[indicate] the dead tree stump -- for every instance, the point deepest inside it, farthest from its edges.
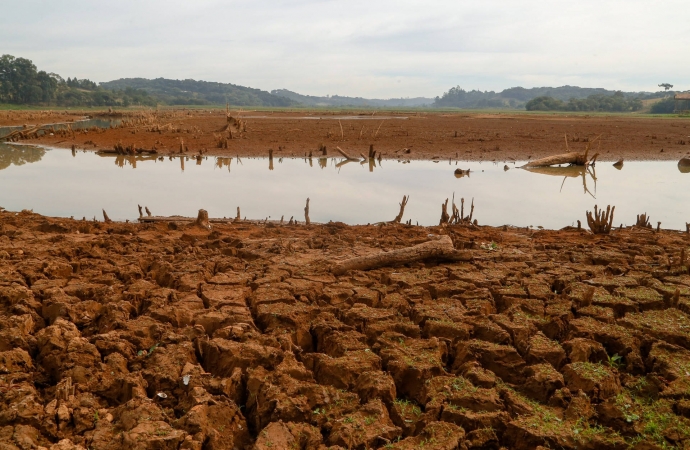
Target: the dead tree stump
(106, 219)
(600, 222)
(202, 219)
(643, 221)
(306, 213)
(402, 204)
(445, 218)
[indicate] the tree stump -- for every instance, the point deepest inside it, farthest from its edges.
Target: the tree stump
(202, 219)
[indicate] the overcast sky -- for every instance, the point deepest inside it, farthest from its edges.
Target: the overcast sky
(374, 48)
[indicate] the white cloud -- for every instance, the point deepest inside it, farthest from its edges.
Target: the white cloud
(372, 49)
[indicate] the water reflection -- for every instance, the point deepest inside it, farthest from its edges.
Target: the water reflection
(19, 155)
(569, 172)
(356, 191)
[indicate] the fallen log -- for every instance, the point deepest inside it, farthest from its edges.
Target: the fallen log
(440, 248)
(574, 158)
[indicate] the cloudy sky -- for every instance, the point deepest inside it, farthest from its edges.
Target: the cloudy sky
(374, 48)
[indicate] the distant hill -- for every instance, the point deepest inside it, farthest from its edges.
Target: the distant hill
(192, 92)
(337, 100)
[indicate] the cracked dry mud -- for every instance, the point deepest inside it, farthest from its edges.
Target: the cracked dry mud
(121, 336)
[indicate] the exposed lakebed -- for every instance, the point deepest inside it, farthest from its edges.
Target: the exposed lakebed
(56, 182)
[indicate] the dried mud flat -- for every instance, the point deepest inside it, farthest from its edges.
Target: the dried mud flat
(167, 336)
(403, 135)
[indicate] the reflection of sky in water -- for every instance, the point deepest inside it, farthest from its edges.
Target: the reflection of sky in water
(61, 184)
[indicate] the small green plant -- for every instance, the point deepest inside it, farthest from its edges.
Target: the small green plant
(615, 361)
(154, 347)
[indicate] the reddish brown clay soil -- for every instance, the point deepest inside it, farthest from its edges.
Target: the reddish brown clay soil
(167, 336)
(32, 118)
(463, 136)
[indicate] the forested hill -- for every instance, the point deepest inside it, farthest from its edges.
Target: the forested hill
(190, 92)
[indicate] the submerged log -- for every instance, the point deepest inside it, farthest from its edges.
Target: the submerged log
(440, 248)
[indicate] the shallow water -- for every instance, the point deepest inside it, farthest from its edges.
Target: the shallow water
(57, 182)
(77, 125)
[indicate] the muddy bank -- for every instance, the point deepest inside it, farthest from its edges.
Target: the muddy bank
(414, 135)
(118, 335)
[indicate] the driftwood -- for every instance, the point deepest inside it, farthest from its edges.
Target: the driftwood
(106, 219)
(148, 213)
(398, 218)
(141, 213)
(440, 248)
(348, 157)
(22, 134)
(600, 222)
(574, 158)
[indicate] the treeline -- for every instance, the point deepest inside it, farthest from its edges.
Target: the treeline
(617, 102)
(193, 92)
(563, 98)
(21, 83)
(459, 98)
